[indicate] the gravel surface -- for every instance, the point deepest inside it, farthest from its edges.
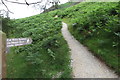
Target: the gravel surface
(84, 64)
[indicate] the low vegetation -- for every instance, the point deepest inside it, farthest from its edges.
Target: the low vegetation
(5, 25)
(62, 6)
(97, 26)
(46, 57)
(94, 24)
(67, 5)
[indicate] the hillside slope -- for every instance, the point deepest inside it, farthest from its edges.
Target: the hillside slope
(62, 6)
(82, 58)
(96, 25)
(46, 57)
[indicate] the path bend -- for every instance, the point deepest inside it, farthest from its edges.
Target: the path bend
(84, 64)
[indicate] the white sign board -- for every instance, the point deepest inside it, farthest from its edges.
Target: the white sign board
(18, 42)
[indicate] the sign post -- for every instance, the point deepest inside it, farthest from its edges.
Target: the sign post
(2, 55)
(6, 44)
(18, 42)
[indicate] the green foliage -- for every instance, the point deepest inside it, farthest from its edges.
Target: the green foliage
(46, 56)
(96, 25)
(6, 25)
(62, 6)
(67, 5)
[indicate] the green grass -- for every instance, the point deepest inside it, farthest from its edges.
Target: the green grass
(47, 56)
(96, 25)
(101, 40)
(18, 67)
(67, 5)
(61, 7)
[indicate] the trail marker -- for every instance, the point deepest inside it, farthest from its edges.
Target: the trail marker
(2, 55)
(18, 42)
(5, 44)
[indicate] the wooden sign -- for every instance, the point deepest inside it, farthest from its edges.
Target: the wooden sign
(6, 44)
(18, 42)
(2, 55)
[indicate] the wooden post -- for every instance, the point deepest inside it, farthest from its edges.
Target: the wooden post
(2, 55)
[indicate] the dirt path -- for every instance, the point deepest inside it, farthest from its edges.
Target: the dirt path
(84, 64)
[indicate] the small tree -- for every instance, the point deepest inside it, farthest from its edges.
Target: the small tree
(39, 3)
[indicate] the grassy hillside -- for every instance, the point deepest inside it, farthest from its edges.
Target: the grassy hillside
(46, 57)
(67, 5)
(62, 6)
(6, 28)
(97, 26)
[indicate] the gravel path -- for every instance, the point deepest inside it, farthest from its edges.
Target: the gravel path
(84, 64)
